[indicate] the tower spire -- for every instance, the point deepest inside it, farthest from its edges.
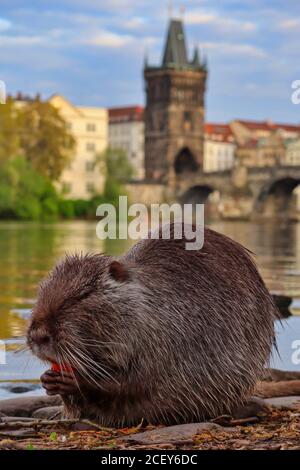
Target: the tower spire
(145, 59)
(196, 58)
(170, 8)
(175, 52)
(182, 12)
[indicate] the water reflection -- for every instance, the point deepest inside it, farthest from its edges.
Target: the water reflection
(29, 250)
(277, 250)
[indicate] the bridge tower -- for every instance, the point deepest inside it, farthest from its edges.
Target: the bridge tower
(174, 114)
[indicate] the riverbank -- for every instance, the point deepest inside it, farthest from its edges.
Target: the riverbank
(35, 424)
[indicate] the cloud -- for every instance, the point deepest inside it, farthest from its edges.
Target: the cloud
(134, 23)
(4, 24)
(6, 41)
(108, 39)
(111, 40)
(200, 17)
(235, 49)
(290, 24)
(69, 42)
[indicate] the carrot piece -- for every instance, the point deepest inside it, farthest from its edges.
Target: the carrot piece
(63, 368)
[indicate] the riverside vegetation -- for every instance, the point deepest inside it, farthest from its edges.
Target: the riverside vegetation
(35, 148)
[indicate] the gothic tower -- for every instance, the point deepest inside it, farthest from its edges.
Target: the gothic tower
(174, 114)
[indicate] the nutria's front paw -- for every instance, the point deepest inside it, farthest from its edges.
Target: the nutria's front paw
(56, 383)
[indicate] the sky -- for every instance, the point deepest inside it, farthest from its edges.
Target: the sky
(92, 51)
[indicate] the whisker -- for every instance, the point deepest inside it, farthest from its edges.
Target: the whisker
(82, 368)
(79, 356)
(94, 364)
(72, 373)
(22, 348)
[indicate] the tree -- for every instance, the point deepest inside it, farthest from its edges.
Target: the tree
(44, 138)
(24, 193)
(118, 168)
(115, 164)
(9, 131)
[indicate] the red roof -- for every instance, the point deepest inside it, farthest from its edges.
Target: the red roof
(288, 127)
(257, 125)
(219, 132)
(126, 114)
(269, 126)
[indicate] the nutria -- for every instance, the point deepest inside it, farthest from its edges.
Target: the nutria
(161, 333)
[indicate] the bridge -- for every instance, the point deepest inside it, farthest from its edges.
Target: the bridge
(243, 192)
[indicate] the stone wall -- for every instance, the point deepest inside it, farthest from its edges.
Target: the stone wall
(146, 193)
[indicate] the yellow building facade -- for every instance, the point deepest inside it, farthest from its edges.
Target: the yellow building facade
(89, 126)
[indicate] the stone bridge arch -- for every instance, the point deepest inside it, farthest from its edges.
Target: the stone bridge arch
(202, 194)
(185, 162)
(198, 194)
(277, 198)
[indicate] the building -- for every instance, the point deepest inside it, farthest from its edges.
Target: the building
(89, 126)
(292, 152)
(263, 152)
(263, 143)
(174, 113)
(270, 150)
(219, 148)
(247, 130)
(126, 132)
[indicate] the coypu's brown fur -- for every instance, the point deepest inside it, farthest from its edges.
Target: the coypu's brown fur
(162, 333)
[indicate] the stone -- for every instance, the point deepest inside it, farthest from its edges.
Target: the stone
(9, 444)
(177, 433)
(25, 406)
(23, 388)
(84, 427)
(253, 407)
(20, 387)
(284, 403)
(13, 419)
(49, 412)
(19, 433)
(276, 375)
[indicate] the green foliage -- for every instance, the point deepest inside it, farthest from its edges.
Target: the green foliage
(35, 147)
(81, 207)
(44, 138)
(24, 193)
(118, 168)
(53, 436)
(9, 131)
(30, 447)
(118, 171)
(112, 191)
(66, 208)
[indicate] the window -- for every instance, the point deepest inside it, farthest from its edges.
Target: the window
(187, 121)
(89, 166)
(90, 147)
(90, 187)
(66, 188)
(90, 127)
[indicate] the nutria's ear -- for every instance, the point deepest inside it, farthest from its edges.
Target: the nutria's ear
(118, 271)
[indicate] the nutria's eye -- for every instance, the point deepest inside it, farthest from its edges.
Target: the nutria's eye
(118, 271)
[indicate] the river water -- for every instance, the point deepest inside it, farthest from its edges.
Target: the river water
(28, 250)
